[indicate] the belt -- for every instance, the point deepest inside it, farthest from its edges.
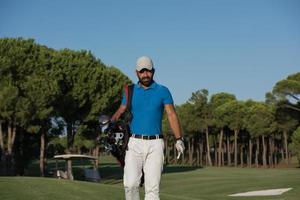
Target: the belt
(147, 137)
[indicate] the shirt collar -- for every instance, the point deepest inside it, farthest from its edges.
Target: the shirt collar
(152, 86)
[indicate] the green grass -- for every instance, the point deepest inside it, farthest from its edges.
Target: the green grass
(178, 183)
(218, 183)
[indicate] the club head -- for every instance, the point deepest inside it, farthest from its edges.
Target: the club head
(104, 119)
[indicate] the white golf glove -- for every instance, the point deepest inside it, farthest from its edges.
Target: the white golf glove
(180, 147)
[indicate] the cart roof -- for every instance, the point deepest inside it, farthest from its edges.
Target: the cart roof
(74, 156)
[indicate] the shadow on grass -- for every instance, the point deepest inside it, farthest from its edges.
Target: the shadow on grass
(113, 174)
(110, 171)
(179, 169)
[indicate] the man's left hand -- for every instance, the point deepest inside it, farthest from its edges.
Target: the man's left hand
(179, 146)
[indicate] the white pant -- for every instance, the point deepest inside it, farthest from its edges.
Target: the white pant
(149, 156)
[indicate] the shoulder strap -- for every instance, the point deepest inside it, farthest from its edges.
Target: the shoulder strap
(128, 115)
(126, 94)
(129, 96)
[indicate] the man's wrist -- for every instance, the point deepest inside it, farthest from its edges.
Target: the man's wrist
(180, 138)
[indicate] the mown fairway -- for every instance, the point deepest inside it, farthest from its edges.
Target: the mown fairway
(218, 183)
(184, 183)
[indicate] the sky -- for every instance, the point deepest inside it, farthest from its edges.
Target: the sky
(242, 47)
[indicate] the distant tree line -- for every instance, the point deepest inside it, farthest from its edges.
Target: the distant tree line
(223, 131)
(50, 101)
(45, 93)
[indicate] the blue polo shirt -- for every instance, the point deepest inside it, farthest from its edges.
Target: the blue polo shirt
(147, 108)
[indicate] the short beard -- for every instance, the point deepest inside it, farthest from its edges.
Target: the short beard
(147, 81)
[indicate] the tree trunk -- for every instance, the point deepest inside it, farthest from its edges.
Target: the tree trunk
(271, 152)
(236, 132)
(207, 147)
(42, 153)
(242, 155)
(228, 151)
(286, 147)
(197, 157)
(282, 153)
(264, 152)
(1, 140)
(70, 141)
(96, 154)
(11, 135)
(220, 147)
(70, 137)
(223, 153)
(250, 152)
(215, 151)
(276, 152)
(201, 152)
(257, 151)
(2, 152)
(197, 146)
(190, 151)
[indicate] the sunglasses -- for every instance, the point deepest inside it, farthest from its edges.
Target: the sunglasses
(145, 70)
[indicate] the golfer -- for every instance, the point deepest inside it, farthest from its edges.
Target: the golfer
(146, 145)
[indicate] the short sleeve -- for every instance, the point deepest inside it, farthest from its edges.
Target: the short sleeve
(167, 97)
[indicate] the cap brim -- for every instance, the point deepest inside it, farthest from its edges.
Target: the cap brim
(141, 68)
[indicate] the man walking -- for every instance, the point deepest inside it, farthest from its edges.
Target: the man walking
(146, 145)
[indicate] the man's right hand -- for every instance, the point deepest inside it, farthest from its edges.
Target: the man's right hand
(118, 113)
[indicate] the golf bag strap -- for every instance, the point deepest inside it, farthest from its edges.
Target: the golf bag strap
(129, 93)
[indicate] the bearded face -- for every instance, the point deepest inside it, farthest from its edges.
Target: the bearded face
(145, 77)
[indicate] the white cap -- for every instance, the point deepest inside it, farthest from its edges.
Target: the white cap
(144, 62)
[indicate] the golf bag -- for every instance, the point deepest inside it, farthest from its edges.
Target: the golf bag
(117, 133)
(115, 137)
